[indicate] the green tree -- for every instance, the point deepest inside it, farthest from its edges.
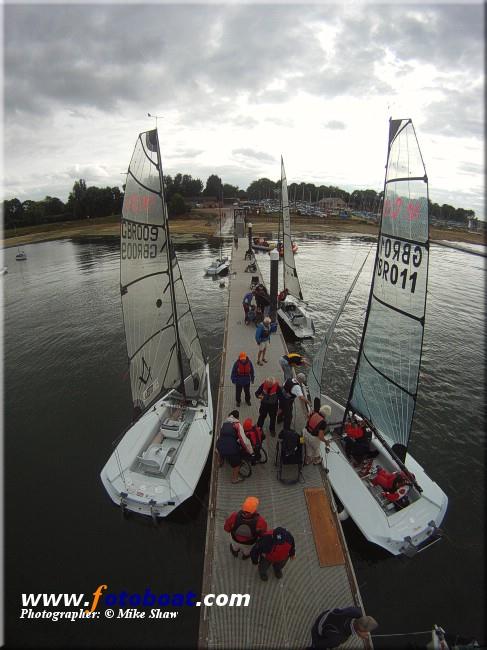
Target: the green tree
(213, 186)
(229, 191)
(77, 199)
(12, 213)
(176, 205)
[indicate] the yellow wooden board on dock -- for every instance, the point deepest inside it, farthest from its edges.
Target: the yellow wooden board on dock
(325, 533)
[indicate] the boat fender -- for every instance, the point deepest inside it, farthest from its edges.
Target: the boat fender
(343, 514)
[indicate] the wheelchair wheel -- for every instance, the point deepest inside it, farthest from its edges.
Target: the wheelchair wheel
(245, 469)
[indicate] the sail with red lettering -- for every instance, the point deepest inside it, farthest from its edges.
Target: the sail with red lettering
(163, 348)
(385, 382)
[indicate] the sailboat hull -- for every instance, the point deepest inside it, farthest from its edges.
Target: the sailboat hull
(218, 267)
(293, 315)
(158, 463)
(401, 532)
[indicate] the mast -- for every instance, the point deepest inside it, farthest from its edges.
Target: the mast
(170, 253)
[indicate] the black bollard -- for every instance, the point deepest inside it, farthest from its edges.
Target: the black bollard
(249, 253)
(274, 255)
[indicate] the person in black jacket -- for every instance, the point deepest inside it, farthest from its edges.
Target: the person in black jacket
(268, 393)
(334, 626)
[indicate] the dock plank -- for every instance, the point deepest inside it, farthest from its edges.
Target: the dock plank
(327, 541)
(280, 612)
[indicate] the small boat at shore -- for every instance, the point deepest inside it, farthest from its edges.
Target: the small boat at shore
(221, 264)
(387, 493)
(21, 255)
(157, 463)
(260, 244)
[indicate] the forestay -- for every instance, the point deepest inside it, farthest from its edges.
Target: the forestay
(291, 280)
(162, 343)
(386, 377)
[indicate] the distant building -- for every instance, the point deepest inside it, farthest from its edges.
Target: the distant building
(332, 203)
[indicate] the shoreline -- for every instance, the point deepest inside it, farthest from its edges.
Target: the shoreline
(205, 226)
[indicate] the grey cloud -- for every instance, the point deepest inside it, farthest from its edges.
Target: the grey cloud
(334, 124)
(458, 114)
(250, 153)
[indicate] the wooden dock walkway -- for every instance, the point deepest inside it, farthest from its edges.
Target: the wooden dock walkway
(281, 612)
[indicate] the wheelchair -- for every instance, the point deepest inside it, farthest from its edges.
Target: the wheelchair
(289, 458)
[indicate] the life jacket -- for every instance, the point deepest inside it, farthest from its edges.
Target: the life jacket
(395, 484)
(243, 368)
(270, 393)
(287, 387)
(244, 529)
(294, 359)
(354, 431)
(313, 423)
(280, 550)
(227, 443)
(255, 436)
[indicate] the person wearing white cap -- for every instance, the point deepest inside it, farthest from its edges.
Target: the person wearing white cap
(314, 434)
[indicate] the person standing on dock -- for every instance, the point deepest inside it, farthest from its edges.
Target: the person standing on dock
(245, 527)
(290, 390)
(290, 361)
(334, 626)
(246, 302)
(314, 434)
(268, 393)
(262, 338)
(232, 444)
(275, 548)
(242, 376)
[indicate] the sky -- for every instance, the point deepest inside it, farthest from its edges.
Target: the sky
(236, 86)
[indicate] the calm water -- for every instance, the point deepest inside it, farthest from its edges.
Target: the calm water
(67, 398)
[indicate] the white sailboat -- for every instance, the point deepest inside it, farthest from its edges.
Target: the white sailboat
(221, 264)
(291, 310)
(405, 519)
(157, 463)
(21, 255)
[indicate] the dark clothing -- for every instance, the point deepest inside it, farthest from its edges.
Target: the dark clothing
(286, 406)
(238, 393)
(264, 565)
(268, 404)
(275, 546)
(227, 443)
(243, 373)
(245, 530)
(265, 410)
(333, 627)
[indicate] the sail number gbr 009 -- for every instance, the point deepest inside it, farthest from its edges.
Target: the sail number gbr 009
(139, 240)
(398, 263)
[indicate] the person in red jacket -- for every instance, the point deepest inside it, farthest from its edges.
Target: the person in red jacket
(396, 485)
(275, 548)
(245, 527)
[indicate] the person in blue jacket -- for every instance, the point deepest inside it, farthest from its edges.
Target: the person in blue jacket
(262, 338)
(242, 376)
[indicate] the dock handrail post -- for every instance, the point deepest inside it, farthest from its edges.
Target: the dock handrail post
(274, 255)
(249, 226)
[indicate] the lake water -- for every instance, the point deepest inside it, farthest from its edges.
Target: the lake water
(67, 397)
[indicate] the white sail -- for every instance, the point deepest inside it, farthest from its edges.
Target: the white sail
(152, 290)
(386, 377)
(291, 280)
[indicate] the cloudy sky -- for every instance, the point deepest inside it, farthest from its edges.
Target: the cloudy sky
(239, 84)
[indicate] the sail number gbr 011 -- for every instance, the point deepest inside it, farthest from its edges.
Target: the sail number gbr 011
(138, 241)
(398, 263)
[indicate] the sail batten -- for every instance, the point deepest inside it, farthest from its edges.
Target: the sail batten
(162, 344)
(385, 382)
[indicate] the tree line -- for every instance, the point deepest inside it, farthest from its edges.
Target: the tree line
(92, 202)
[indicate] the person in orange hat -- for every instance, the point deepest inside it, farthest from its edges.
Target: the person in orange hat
(245, 526)
(242, 376)
(255, 434)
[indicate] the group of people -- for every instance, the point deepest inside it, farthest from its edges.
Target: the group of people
(276, 402)
(267, 547)
(258, 311)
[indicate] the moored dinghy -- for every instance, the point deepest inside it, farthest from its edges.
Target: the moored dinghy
(159, 460)
(389, 495)
(291, 311)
